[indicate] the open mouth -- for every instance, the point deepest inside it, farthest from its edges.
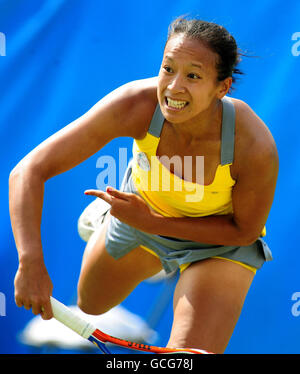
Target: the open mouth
(175, 104)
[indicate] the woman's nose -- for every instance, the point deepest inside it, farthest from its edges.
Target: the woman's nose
(176, 84)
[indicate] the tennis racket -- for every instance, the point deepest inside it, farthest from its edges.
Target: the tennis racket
(85, 329)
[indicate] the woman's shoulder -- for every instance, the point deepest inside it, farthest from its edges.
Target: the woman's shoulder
(141, 98)
(142, 88)
(251, 131)
(254, 142)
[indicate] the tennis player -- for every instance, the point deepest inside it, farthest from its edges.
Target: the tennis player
(212, 231)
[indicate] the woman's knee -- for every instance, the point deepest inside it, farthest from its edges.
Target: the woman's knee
(91, 288)
(90, 297)
(105, 282)
(95, 295)
(91, 306)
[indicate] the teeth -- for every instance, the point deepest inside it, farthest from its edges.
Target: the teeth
(178, 104)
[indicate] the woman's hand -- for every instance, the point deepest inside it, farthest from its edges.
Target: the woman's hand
(128, 208)
(33, 288)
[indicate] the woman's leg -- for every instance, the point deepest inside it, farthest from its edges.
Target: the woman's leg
(208, 300)
(105, 282)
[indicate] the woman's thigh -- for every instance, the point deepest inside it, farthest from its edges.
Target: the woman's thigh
(208, 300)
(105, 282)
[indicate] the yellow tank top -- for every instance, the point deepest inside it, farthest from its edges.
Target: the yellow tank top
(169, 194)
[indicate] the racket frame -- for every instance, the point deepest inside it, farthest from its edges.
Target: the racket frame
(85, 329)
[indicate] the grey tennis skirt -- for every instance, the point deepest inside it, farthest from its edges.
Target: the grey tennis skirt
(121, 239)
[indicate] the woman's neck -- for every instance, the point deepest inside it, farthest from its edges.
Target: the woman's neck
(206, 125)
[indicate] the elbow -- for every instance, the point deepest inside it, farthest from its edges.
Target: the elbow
(243, 235)
(14, 182)
(248, 241)
(24, 171)
(248, 238)
(21, 167)
(14, 174)
(17, 172)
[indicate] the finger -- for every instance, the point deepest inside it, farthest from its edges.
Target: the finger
(115, 193)
(18, 301)
(36, 309)
(46, 310)
(102, 195)
(27, 306)
(37, 305)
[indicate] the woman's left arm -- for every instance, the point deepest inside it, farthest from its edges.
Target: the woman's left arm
(252, 198)
(252, 194)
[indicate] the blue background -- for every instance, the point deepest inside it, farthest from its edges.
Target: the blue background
(63, 56)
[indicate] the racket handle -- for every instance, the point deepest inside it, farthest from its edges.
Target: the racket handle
(70, 319)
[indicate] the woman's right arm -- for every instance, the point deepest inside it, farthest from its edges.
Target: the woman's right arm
(116, 115)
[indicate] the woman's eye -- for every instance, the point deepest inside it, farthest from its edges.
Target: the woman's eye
(168, 69)
(194, 76)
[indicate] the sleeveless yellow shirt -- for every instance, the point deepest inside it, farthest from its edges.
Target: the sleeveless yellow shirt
(170, 195)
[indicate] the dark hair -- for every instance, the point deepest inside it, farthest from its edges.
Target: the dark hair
(215, 37)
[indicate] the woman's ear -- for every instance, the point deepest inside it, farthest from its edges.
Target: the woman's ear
(224, 87)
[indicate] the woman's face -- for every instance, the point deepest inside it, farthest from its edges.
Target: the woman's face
(187, 82)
